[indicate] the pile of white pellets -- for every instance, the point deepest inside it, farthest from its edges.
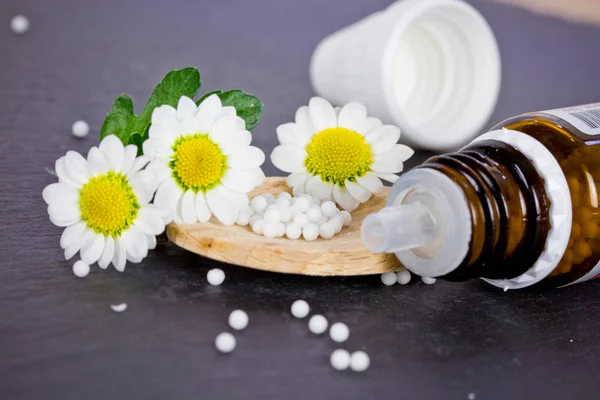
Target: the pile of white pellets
(293, 217)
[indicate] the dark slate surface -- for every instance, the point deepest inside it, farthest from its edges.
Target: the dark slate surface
(58, 336)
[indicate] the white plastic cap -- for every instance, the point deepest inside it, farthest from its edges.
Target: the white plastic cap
(431, 67)
(426, 223)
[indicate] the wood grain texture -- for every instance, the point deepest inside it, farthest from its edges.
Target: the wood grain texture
(344, 254)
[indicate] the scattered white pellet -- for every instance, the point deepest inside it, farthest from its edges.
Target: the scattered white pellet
(259, 227)
(238, 320)
(225, 342)
(359, 361)
(259, 204)
(327, 230)
(314, 213)
(272, 215)
(300, 309)
(339, 332)
(427, 280)
(340, 359)
(310, 232)
(242, 219)
(337, 222)
(119, 307)
(283, 202)
(317, 324)
(293, 231)
(346, 216)
(322, 221)
(81, 269)
(80, 129)
(285, 214)
(471, 396)
(403, 277)
(301, 204)
(301, 220)
(389, 278)
(329, 209)
(280, 232)
(270, 230)
(215, 276)
(19, 24)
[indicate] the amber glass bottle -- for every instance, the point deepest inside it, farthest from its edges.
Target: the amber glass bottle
(517, 207)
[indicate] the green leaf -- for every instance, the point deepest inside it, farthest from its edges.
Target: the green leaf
(247, 107)
(133, 129)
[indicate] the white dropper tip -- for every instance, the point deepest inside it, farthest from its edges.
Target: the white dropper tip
(398, 228)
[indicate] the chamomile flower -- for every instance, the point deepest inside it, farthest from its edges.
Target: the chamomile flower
(103, 203)
(338, 154)
(203, 160)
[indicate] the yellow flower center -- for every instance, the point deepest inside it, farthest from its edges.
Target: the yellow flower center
(108, 205)
(198, 163)
(337, 155)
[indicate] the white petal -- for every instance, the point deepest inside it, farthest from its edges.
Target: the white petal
(119, 256)
(139, 163)
(168, 195)
(71, 234)
(161, 170)
(291, 134)
(163, 115)
(164, 133)
(144, 185)
(289, 159)
(225, 204)
(304, 121)
(189, 126)
(60, 192)
(297, 178)
(247, 158)
(372, 123)
(392, 178)
(188, 208)
(391, 167)
(402, 152)
(59, 167)
(151, 239)
(136, 242)
(166, 215)
(370, 182)
(358, 192)
(133, 259)
(202, 211)
(241, 181)
(76, 167)
(128, 160)
(392, 160)
(64, 211)
(322, 114)
(107, 253)
(344, 199)
(208, 112)
(96, 162)
(225, 128)
(158, 149)
(87, 237)
(353, 116)
(150, 221)
(186, 108)
(228, 111)
(90, 253)
(383, 138)
(317, 188)
(113, 151)
(239, 141)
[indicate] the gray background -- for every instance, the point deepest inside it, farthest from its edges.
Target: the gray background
(58, 336)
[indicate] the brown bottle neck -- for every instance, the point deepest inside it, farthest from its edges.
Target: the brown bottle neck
(509, 209)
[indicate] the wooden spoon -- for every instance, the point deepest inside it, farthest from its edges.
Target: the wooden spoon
(344, 254)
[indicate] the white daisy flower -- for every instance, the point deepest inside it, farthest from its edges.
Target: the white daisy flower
(203, 160)
(103, 204)
(338, 154)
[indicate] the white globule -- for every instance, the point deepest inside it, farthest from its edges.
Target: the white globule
(301, 204)
(238, 320)
(427, 280)
(272, 215)
(270, 229)
(339, 332)
(301, 220)
(81, 269)
(80, 129)
(225, 342)
(337, 222)
(283, 202)
(310, 232)
(317, 324)
(327, 230)
(389, 278)
(346, 217)
(215, 276)
(403, 277)
(242, 219)
(293, 231)
(284, 195)
(329, 209)
(259, 227)
(314, 213)
(300, 309)
(259, 204)
(19, 24)
(269, 197)
(340, 359)
(280, 229)
(359, 361)
(285, 214)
